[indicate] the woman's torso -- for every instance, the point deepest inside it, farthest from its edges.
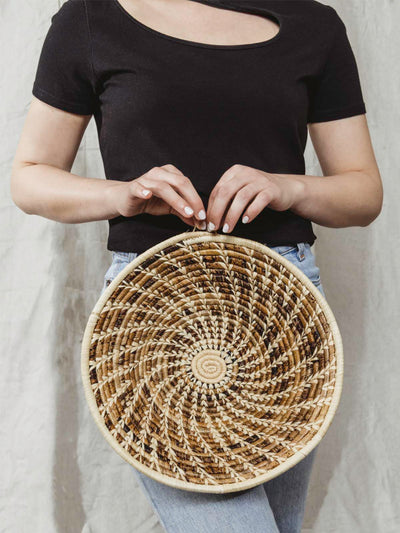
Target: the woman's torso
(205, 107)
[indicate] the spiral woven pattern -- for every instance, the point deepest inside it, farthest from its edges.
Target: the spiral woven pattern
(211, 363)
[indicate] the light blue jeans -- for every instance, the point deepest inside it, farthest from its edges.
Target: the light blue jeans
(276, 506)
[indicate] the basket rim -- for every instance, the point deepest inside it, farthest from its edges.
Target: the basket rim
(205, 236)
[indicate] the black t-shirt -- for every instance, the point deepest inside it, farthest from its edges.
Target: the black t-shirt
(159, 99)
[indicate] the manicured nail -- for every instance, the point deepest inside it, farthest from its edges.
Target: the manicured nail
(202, 214)
(203, 225)
(245, 219)
(225, 228)
(210, 226)
(188, 210)
(145, 192)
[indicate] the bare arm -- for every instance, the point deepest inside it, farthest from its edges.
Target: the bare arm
(349, 194)
(41, 181)
(42, 184)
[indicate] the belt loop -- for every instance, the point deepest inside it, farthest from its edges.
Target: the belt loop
(301, 251)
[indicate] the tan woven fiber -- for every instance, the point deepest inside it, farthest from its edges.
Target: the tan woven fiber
(211, 363)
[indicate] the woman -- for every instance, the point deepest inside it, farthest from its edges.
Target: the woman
(202, 110)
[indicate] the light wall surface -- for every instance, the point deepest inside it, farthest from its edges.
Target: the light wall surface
(57, 472)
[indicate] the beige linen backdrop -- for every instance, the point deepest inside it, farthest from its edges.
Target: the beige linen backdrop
(57, 472)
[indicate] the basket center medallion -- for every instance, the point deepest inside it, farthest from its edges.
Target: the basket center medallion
(208, 366)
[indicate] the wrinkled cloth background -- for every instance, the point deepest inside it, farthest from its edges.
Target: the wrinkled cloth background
(58, 474)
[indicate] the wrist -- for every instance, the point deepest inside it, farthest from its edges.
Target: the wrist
(111, 194)
(300, 194)
(295, 190)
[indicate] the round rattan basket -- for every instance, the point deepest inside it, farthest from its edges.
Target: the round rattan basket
(211, 363)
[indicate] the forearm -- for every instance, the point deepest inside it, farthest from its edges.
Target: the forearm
(350, 199)
(59, 195)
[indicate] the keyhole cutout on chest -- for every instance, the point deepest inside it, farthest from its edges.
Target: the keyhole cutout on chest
(203, 22)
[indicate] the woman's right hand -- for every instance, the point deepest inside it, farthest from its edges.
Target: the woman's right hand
(162, 190)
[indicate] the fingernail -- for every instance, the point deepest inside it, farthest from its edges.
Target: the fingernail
(245, 219)
(188, 210)
(202, 225)
(145, 192)
(210, 226)
(225, 228)
(202, 214)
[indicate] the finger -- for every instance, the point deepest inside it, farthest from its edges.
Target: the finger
(192, 221)
(260, 202)
(162, 189)
(228, 174)
(138, 189)
(233, 171)
(223, 195)
(239, 203)
(172, 168)
(186, 220)
(185, 188)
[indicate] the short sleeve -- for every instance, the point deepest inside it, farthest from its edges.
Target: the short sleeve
(336, 91)
(64, 76)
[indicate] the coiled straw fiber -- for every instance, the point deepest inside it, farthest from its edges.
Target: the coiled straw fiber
(211, 363)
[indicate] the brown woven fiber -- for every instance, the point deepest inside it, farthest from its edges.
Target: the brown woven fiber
(211, 363)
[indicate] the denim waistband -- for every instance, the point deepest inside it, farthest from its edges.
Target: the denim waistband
(302, 248)
(124, 256)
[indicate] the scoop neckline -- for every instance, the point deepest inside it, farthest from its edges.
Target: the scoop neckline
(271, 14)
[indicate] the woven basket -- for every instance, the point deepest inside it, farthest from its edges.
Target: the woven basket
(211, 363)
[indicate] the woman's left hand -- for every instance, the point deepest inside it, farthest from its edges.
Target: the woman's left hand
(245, 191)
